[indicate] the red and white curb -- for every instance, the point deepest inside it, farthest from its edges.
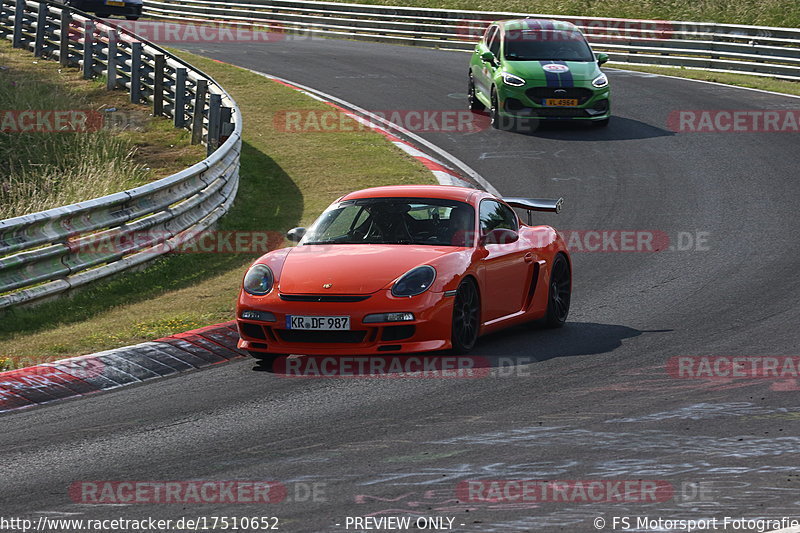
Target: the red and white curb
(111, 369)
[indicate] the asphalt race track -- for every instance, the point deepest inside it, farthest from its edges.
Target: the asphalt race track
(591, 401)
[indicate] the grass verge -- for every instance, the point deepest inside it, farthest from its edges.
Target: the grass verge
(756, 12)
(286, 179)
(738, 80)
(41, 170)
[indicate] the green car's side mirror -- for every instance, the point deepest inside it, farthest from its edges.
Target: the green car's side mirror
(487, 57)
(602, 58)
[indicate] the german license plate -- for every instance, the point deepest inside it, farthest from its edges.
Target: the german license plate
(318, 322)
(115, 3)
(559, 102)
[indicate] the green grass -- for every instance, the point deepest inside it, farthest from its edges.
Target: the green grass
(739, 80)
(757, 12)
(286, 180)
(41, 170)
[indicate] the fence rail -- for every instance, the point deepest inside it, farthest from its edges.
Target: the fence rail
(755, 50)
(46, 253)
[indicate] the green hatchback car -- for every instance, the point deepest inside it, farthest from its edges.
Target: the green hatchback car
(537, 69)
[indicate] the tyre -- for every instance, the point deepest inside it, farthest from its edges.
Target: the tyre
(103, 15)
(132, 17)
(472, 100)
(466, 317)
(601, 123)
(560, 291)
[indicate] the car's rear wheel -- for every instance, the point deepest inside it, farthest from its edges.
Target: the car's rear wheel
(466, 317)
(560, 291)
(472, 99)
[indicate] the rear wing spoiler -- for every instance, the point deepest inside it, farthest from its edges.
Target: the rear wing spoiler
(536, 204)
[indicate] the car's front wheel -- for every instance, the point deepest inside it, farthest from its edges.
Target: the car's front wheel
(601, 123)
(466, 317)
(472, 99)
(560, 291)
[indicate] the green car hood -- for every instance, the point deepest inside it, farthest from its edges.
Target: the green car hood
(583, 71)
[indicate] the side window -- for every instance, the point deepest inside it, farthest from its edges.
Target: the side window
(496, 215)
(494, 44)
(490, 32)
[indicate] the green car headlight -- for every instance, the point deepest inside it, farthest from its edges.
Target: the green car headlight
(511, 79)
(258, 280)
(600, 81)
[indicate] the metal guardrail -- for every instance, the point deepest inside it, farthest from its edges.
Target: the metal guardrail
(756, 50)
(49, 252)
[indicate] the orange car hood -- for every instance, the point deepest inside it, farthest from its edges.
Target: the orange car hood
(351, 268)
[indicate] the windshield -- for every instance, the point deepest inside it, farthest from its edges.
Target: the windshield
(546, 45)
(395, 221)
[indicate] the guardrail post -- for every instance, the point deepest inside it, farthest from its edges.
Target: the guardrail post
(158, 85)
(226, 126)
(214, 115)
(19, 12)
(136, 72)
(63, 41)
(41, 24)
(88, 49)
(179, 109)
(200, 89)
(111, 71)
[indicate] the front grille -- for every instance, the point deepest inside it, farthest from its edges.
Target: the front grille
(538, 94)
(299, 335)
(323, 298)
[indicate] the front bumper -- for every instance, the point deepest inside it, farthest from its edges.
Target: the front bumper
(527, 102)
(430, 329)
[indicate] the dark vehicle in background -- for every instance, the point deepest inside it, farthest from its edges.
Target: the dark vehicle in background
(130, 9)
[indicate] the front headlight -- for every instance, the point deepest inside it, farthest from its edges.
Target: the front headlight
(415, 281)
(600, 81)
(514, 81)
(258, 280)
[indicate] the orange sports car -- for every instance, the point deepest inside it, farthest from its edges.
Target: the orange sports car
(405, 269)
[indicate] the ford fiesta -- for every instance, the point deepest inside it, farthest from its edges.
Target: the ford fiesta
(537, 69)
(405, 269)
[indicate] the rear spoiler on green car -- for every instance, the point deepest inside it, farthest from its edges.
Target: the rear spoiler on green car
(536, 204)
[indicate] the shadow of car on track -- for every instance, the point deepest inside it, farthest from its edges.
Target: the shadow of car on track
(516, 346)
(532, 343)
(619, 129)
